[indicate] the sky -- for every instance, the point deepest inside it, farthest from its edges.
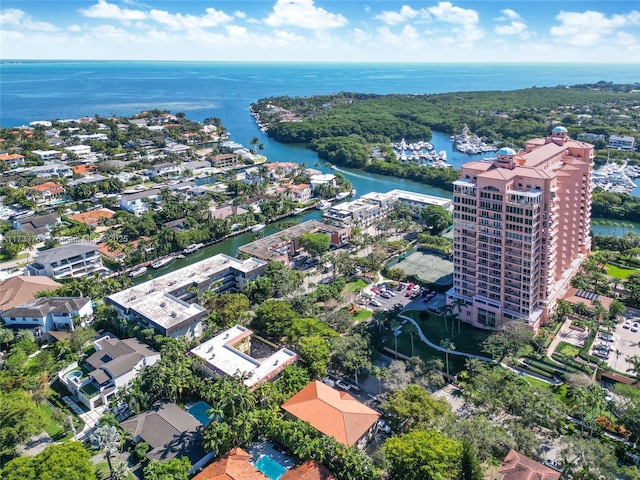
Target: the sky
(323, 31)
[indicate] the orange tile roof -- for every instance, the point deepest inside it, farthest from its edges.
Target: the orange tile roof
(10, 156)
(520, 467)
(334, 413)
(51, 187)
(83, 169)
(233, 465)
(94, 216)
(309, 470)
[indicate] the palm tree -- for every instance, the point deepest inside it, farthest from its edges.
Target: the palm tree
(473, 365)
(254, 141)
(106, 438)
(120, 471)
(410, 328)
(379, 373)
(6, 336)
(448, 345)
(635, 367)
(617, 353)
(25, 334)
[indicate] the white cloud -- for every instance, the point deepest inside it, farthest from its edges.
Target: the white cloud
(13, 17)
(405, 14)
(447, 12)
(514, 28)
(178, 21)
(74, 28)
(102, 9)
(239, 14)
(508, 14)
(588, 28)
(303, 14)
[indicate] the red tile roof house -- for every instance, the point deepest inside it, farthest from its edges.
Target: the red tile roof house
(46, 192)
(517, 466)
(12, 160)
(334, 413)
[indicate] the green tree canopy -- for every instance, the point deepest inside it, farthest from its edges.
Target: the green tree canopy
(436, 217)
(274, 318)
(174, 469)
(68, 461)
(20, 418)
(315, 244)
(414, 408)
(423, 455)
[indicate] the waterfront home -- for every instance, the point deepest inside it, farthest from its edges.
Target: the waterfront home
(226, 211)
(322, 179)
(299, 193)
(233, 465)
(49, 156)
(12, 160)
(170, 433)
(113, 365)
(49, 314)
(138, 203)
(165, 303)
(176, 149)
(46, 193)
(334, 413)
(225, 160)
(622, 142)
(41, 226)
(51, 170)
(79, 150)
(237, 351)
(166, 168)
(87, 178)
(17, 290)
(72, 260)
(197, 167)
(279, 170)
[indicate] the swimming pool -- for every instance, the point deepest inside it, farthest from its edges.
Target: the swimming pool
(270, 467)
(199, 411)
(74, 374)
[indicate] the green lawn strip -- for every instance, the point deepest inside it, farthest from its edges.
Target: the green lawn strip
(536, 383)
(618, 272)
(468, 340)
(362, 315)
(53, 428)
(354, 286)
(567, 349)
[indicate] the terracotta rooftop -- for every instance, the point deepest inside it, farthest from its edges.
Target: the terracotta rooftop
(18, 290)
(233, 465)
(309, 470)
(334, 413)
(517, 466)
(52, 187)
(93, 216)
(10, 156)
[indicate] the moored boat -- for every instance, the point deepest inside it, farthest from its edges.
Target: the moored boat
(342, 195)
(137, 272)
(258, 227)
(323, 205)
(163, 262)
(194, 247)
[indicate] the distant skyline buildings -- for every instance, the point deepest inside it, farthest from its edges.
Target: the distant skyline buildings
(323, 31)
(521, 230)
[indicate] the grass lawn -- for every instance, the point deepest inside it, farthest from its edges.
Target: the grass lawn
(619, 272)
(354, 286)
(53, 428)
(568, 349)
(468, 340)
(102, 471)
(422, 350)
(362, 315)
(536, 383)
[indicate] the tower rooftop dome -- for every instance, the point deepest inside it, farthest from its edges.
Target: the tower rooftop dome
(559, 129)
(506, 151)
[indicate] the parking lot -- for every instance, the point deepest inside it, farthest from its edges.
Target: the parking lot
(399, 297)
(625, 341)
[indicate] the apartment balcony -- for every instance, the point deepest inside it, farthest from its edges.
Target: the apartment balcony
(512, 269)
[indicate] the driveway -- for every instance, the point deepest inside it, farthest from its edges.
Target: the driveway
(626, 342)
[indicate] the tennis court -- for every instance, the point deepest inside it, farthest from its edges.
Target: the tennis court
(428, 267)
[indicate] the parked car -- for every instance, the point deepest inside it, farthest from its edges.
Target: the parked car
(626, 324)
(607, 337)
(375, 303)
(375, 290)
(400, 287)
(382, 426)
(635, 327)
(343, 385)
(385, 294)
(328, 381)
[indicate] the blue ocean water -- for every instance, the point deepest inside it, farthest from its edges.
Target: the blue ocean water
(46, 90)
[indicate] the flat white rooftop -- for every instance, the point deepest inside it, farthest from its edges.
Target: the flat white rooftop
(156, 300)
(220, 355)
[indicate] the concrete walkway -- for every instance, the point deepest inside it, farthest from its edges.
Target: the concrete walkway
(517, 370)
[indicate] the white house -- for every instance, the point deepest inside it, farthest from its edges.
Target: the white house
(72, 260)
(622, 142)
(49, 314)
(49, 156)
(52, 170)
(322, 179)
(166, 168)
(114, 365)
(79, 150)
(138, 203)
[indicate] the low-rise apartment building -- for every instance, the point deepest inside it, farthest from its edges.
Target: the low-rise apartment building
(167, 303)
(138, 203)
(72, 260)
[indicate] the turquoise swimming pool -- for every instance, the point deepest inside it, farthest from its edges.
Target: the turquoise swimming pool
(270, 467)
(199, 411)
